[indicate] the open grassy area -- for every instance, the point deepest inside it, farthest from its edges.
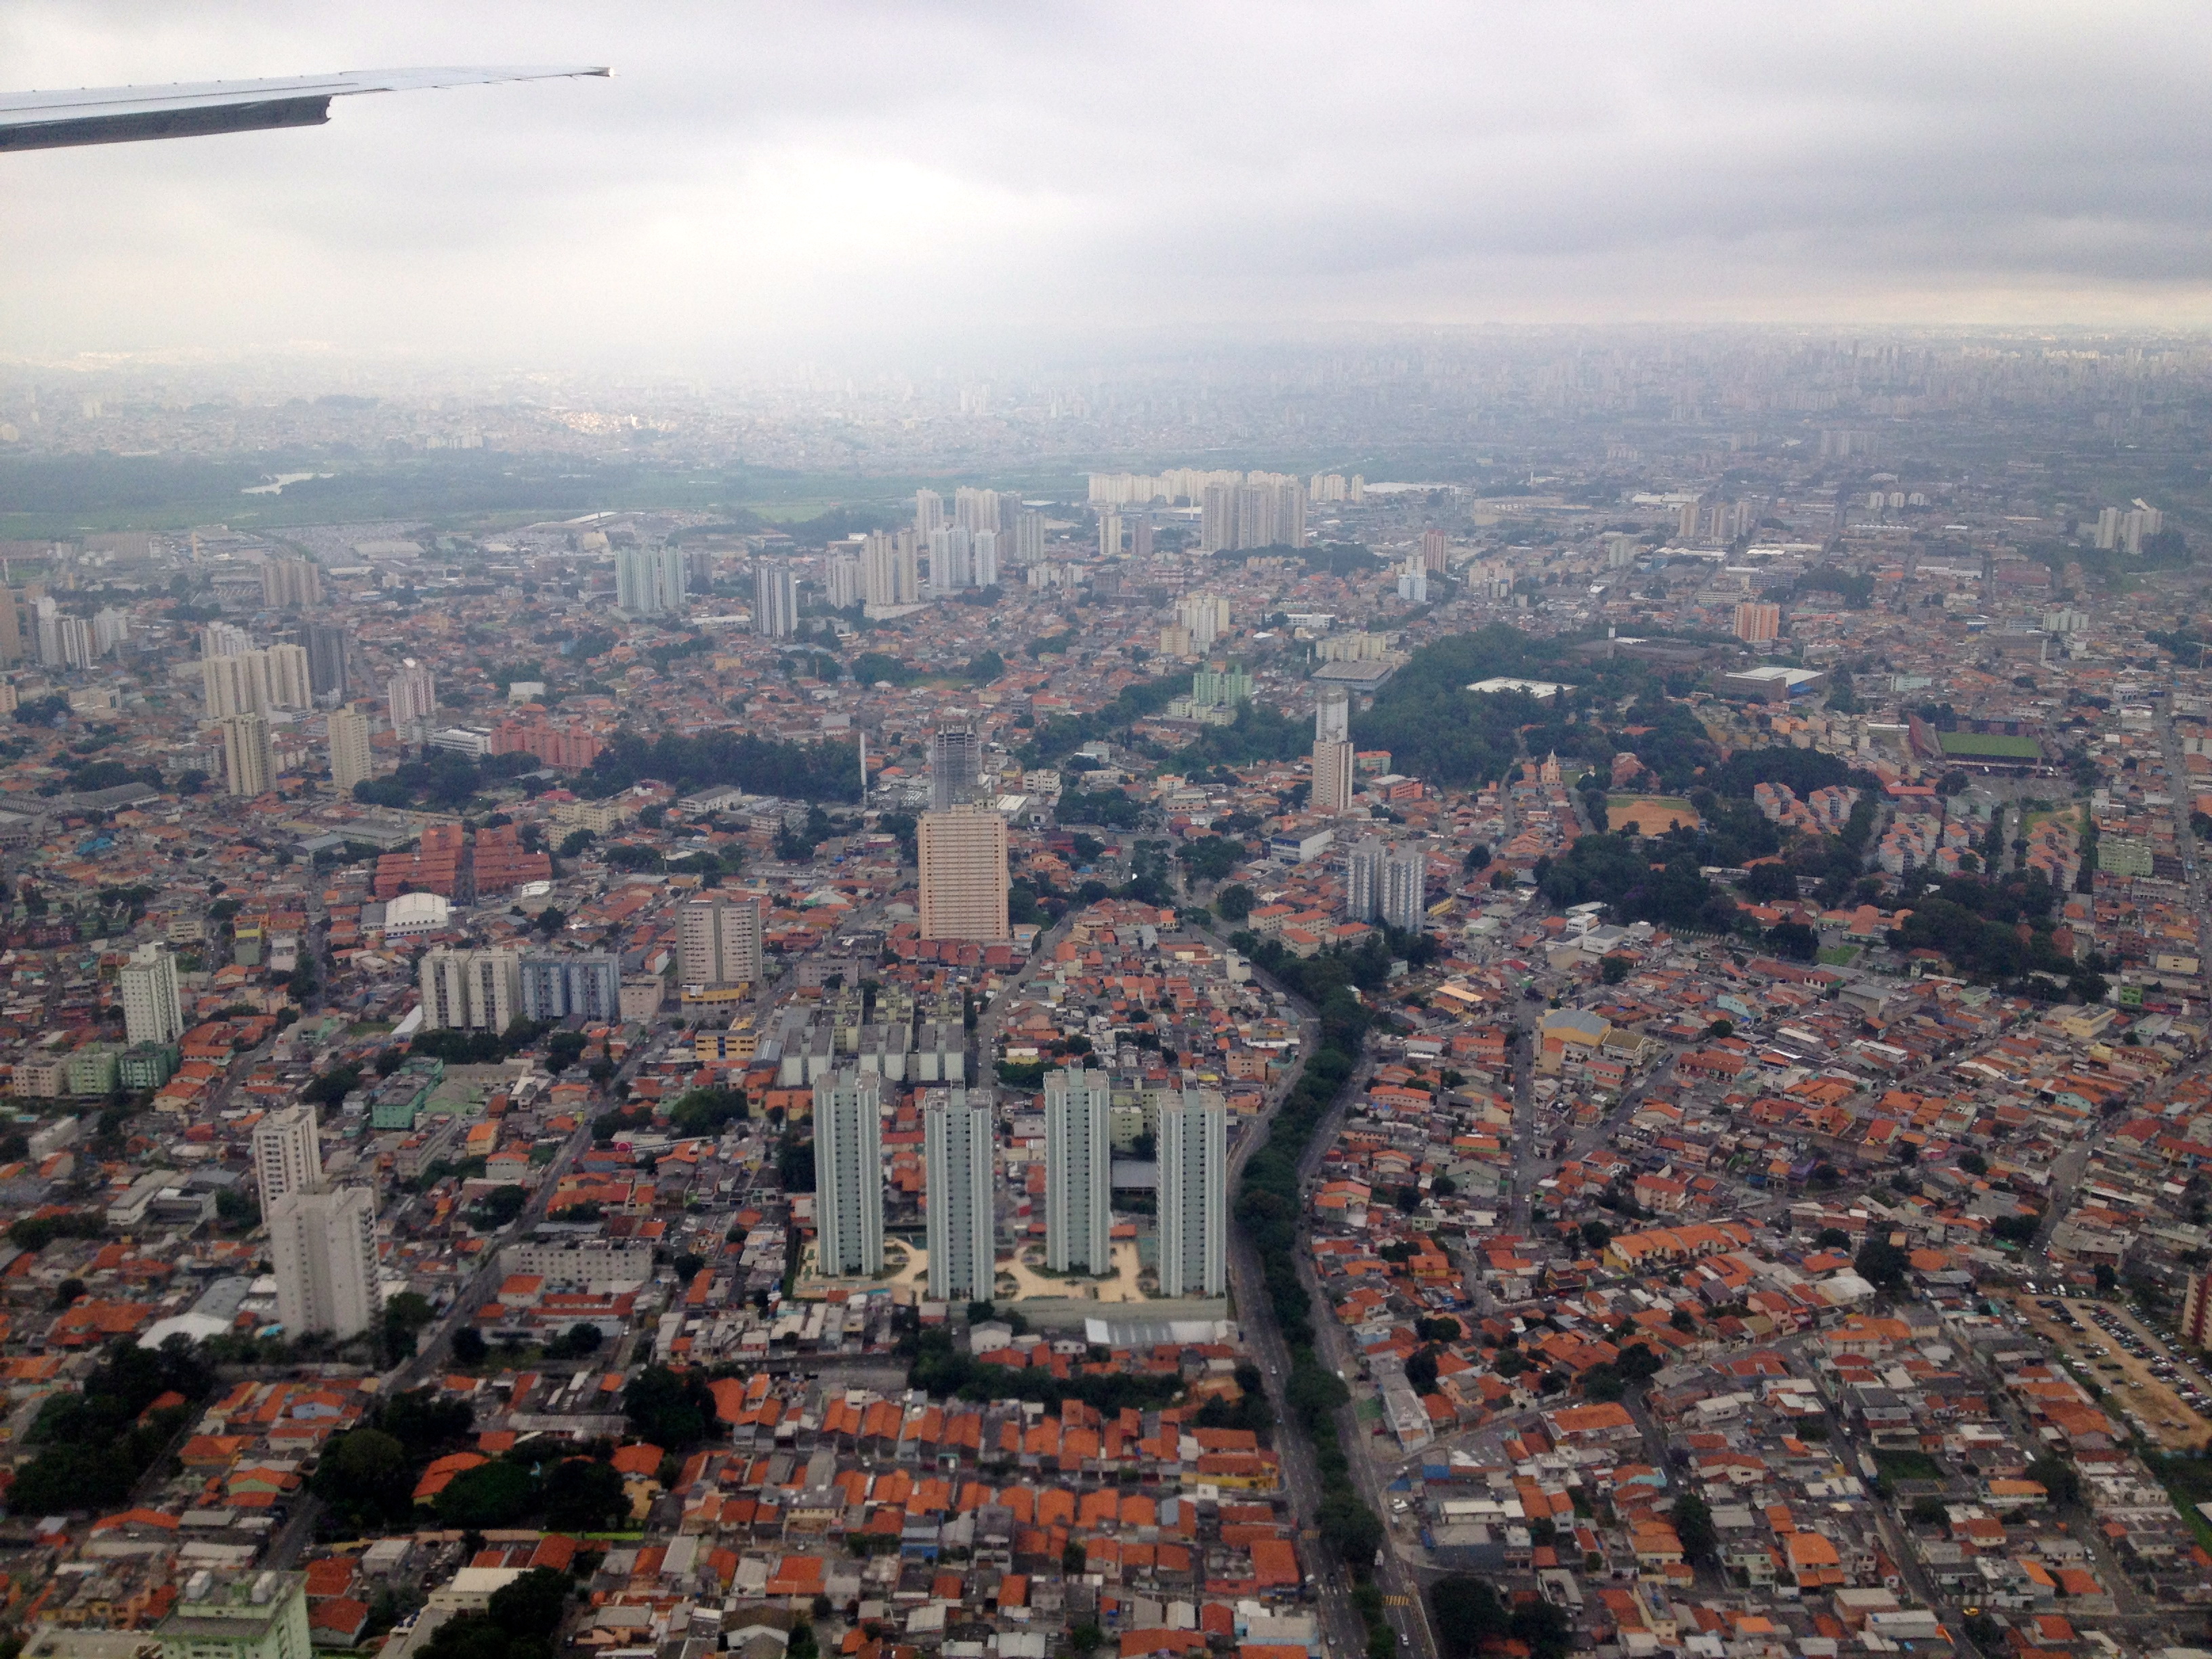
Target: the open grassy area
(2190, 1481)
(1839, 956)
(1907, 1466)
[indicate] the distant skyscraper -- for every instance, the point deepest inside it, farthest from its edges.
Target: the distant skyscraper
(11, 630)
(223, 639)
(153, 1008)
(1078, 1171)
(983, 556)
(1194, 1201)
(879, 570)
(956, 757)
(952, 560)
(719, 941)
(650, 581)
(1413, 581)
(287, 1154)
(963, 855)
(1029, 537)
(249, 764)
(776, 600)
(928, 512)
(323, 1246)
(288, 584)
(977, 510)
(849, 1174)
(1432, 549)
(414, 700)
(328, 653)
(843, 577)
(1109, 534)
(289, 677)
(470, 990)
(1140, 536)
(352, 760)
(958, 1145)
(1331, 752)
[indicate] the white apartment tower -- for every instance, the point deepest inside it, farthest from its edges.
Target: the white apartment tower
(470, 990)
(849, 1174)
(958, 1149)
(323, 1246)
(249, 764)
(776, 600)
(719, 942)
(352, 760)
(1078, 1171)
(414, 693)
(153, 1010)
(1194, 1197)
(287, 1156)
(649, 581)
(1404, 898)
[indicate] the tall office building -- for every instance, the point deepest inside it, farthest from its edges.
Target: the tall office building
(153, 1006)
(776, 600)
(650, 581)
(566, 984)
(849, 1173)
(958, 1149)
(352, 760)
(955, 758)
(414, 700)
(719, 942)
(1756, 623)
(1194, 1197)
(1078, 1171)
(288, 1153)
(323, 1246)
(1109, 535)
(1332, 753)
(470, 990)
(290, 584)
(329, 651)
(249, 763)
(963, 855)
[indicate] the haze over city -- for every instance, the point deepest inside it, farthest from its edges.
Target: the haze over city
(1005, 832)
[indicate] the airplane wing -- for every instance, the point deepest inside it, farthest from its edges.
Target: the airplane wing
(121, 115)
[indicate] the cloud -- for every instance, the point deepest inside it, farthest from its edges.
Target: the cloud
(765, 180)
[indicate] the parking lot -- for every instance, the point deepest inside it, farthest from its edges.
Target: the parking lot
(2168, 1394)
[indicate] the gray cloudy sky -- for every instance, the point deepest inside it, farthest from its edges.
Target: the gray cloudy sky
(854, 178)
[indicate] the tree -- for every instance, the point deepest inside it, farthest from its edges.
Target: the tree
(499, 1206)
(1832, 1238)
(584, 1495)
(366, 1476)
(2058, 1478)
(1881, 1264)
(1973, 1162)
(1693, 1525)
(404, 1315)
(1421, 1371)
(579, 1341)
(1793, 941)
(1596, 1235)
(673, 1410)
(1234, 902)
(469, 1349)
(496, 1494)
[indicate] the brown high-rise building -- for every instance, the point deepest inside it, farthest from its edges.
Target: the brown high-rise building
(963, 854)
(11, 629)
